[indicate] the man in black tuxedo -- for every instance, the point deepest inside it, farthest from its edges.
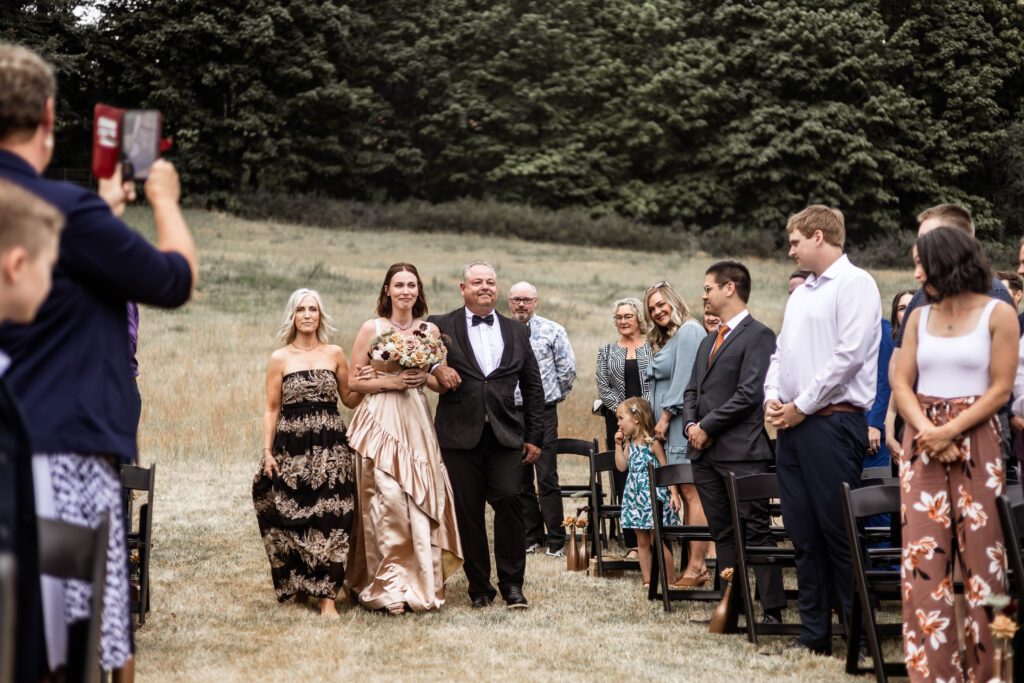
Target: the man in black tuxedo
(484, 439)
(724, 418)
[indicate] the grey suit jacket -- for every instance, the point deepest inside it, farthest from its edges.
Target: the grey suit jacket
(727, 396)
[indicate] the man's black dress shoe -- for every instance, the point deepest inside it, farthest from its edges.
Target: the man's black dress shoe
(770, 620)
(482, 601)
(800, 646)
(514, 598)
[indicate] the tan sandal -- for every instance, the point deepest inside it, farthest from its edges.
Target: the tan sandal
(692, 582)
(396, 608)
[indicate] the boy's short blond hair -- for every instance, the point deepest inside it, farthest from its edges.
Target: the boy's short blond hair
(25, 219)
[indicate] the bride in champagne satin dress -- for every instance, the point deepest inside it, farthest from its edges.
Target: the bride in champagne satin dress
(405, 542)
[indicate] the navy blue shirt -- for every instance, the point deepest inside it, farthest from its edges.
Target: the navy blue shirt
(71, 368)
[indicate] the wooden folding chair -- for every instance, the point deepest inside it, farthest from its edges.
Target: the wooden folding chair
(601, 512)
(8, 607)
(141, 540)
(70, 551)
(751, 488)
(667, 475)
(874, 577)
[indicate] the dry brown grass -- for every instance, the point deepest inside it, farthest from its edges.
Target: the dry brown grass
(214, 613)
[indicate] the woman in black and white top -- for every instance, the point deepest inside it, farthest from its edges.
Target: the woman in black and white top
(622, 365)
(621, 374)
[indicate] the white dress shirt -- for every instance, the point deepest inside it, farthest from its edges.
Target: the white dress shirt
(827, 351)
(732, 323)
(486, 342)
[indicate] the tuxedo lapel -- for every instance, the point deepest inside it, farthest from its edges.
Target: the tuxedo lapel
(729, 340)
(462, 337)
(507, 338)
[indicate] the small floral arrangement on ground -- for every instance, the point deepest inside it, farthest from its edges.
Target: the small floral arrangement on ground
(417, 350)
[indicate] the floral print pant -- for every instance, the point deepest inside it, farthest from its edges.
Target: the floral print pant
(939, 500)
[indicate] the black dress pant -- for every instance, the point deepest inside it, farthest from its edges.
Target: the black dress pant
(488, 473)
(611, 425)
(549, 511)
(812, 460)
(710, 477)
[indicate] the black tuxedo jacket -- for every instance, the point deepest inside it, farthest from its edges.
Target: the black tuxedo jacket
(727, 396)
(460, 414)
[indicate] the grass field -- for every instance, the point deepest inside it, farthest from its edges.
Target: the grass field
(214, 613)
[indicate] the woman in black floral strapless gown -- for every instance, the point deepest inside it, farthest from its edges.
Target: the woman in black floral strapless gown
(304, 493)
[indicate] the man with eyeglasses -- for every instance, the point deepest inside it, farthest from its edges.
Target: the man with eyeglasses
(557, 365)
(724, 417)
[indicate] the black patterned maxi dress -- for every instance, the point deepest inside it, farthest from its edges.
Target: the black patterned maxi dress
(305, 512)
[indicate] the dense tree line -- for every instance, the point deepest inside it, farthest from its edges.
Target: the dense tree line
(709, 114)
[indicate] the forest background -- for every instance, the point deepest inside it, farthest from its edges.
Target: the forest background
(665, 124)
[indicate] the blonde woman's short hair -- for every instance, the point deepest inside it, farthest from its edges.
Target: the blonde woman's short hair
(638, 310)
(286, 332)
(658, 336)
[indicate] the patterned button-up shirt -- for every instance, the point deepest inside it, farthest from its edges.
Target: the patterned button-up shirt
(555, 358)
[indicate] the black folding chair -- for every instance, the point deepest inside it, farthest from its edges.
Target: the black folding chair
(600, 512)
(877, 474)
(668, 475)
(874, 575)
(70, 551)
(582, 448)
(8, 581)
(751, 488)
(1011, 516)
(141, 540)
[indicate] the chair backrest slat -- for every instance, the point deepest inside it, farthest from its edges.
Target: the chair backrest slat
(667, 475)
(757, 487)
(875, 500)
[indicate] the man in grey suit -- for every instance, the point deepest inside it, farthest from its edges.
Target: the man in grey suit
(723, 416)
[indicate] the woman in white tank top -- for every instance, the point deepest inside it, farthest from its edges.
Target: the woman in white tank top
(961, 350)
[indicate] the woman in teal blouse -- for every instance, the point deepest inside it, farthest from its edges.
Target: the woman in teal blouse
(674, 337)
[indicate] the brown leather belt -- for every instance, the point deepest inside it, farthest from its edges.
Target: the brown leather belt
(844, 407)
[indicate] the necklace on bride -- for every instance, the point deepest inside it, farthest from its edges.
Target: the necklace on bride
(403, 327)
(303, 348)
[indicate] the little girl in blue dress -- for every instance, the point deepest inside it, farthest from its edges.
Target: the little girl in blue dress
(635, 447)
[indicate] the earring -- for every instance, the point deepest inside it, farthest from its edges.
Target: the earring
(48, 142)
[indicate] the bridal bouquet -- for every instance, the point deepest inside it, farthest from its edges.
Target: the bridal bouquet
(418, 350)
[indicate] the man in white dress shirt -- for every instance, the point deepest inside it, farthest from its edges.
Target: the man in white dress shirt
(820, 383)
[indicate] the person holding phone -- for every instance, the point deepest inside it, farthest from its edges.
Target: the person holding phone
(70, 368)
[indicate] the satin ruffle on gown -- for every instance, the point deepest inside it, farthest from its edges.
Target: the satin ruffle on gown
(405, 539)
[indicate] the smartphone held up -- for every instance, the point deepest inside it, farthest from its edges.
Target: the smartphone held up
(130, 137)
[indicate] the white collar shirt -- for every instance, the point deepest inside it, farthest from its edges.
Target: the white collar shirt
(5, 363)
(488, 346)
(827, 351)
(733, 322)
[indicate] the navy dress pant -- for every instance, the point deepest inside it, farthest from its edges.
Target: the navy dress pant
(812, 460)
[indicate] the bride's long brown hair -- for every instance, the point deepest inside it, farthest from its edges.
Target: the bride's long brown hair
(419, 307)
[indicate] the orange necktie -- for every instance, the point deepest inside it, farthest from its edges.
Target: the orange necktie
(722, 331)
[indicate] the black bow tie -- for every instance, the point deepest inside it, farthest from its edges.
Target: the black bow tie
(486, 320)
